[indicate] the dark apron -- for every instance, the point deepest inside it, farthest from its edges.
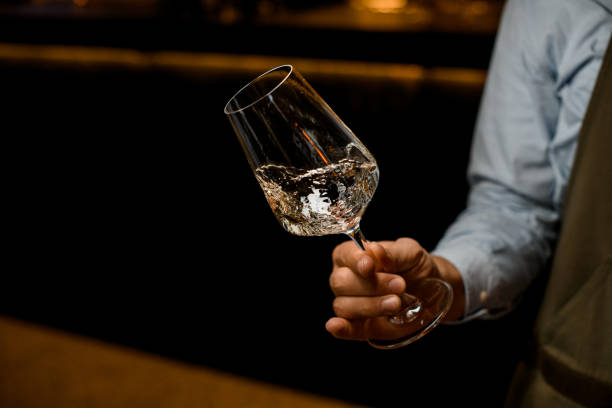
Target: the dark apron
(570, 363)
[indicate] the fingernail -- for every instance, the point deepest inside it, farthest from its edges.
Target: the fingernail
(396, 285)
(362, 264)
(391, 304)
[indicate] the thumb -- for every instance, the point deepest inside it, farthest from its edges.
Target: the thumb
(408, 258)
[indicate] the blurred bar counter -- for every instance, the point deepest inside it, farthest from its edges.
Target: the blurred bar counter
(426, 32)
(45, 367)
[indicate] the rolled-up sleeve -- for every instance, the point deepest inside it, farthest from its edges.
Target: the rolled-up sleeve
(544, 66)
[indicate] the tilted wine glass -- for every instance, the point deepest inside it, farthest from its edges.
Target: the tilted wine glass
(319, 178)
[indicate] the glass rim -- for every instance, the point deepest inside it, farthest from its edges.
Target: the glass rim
(229, 111)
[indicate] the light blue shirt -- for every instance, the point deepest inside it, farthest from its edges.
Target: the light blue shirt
(545, 62)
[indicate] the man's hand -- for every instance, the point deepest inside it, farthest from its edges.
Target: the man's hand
(367, 284)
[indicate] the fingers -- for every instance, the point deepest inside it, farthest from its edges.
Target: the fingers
(345, 329)
(404, 256)
(360, 307)
(366, 285)
(351, 330)
(365, 263)
(344, 282)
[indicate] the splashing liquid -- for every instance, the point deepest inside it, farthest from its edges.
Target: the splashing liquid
(321, 201)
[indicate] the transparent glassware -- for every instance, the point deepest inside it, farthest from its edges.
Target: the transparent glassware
(319, 178)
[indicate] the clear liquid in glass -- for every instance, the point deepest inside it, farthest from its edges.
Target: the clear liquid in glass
(321, 201)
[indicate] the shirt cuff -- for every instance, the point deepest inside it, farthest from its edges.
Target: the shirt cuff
(476, 270)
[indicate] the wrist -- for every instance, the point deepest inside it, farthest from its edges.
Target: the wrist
(449, 273)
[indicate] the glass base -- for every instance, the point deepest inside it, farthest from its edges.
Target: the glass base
(426, 303)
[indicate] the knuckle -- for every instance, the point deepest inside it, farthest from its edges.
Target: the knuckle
(339, 307)
(407, 242)
(332, 279)
(335, 280)
(339, 278)
(416, 255)
(338, 252)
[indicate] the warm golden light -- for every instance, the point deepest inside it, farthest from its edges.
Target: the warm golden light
(381, 6)
(416, 12)
(478, 8)
(234, 64)
(319, 152)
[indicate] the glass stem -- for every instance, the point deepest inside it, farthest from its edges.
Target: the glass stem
(357, 236)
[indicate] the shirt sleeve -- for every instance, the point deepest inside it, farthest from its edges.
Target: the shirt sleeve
(542, 72)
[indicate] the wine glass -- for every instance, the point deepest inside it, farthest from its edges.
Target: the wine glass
(318, 178)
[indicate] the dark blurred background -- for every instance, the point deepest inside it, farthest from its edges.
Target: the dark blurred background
(132, 215)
